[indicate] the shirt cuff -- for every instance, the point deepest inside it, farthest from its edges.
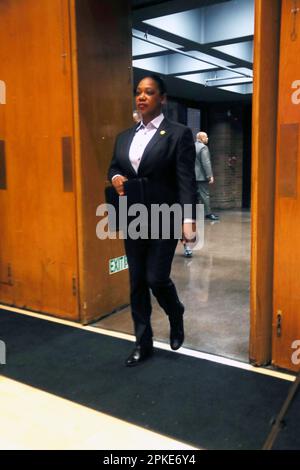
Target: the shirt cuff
(188, 221)
(115, 176)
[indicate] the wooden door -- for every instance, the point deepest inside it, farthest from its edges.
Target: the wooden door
(101, 41)
(286, 313)
(264, 124)
(5, 244)
(38, 266)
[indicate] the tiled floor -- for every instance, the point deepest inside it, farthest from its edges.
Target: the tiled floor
(214, 286)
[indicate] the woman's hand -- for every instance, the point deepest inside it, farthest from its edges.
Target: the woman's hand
(118, 184)
(189, 232)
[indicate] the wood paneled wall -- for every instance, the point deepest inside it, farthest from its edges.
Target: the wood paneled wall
(286, 314)
(67, 69)
(38, 235)
(266, 53)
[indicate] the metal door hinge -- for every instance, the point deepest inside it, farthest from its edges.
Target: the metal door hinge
(279, 323)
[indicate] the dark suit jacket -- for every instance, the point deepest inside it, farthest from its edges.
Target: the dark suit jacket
(167, 164)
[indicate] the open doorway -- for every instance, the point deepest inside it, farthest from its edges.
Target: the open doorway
(204, 51)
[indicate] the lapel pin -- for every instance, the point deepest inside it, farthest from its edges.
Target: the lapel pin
(162, 132)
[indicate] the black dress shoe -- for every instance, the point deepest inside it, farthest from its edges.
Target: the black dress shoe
(139, 354)
(212, 217)
(177, 330)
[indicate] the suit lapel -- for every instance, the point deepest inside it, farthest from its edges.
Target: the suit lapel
(159, 134)
(129, 139)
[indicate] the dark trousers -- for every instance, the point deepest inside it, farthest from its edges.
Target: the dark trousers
(149, 264)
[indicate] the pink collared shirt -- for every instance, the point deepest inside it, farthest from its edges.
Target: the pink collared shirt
(142, 137)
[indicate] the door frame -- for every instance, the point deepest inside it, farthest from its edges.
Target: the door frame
(264, 137)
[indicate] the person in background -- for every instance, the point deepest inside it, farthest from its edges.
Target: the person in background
(187, 250)
(204, 177)
(204, 174)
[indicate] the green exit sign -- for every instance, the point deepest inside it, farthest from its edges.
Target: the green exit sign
(118, 264)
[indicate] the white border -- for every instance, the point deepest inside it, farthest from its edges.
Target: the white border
(159, 345)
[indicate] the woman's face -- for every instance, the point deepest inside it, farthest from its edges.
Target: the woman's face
(148, 99)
